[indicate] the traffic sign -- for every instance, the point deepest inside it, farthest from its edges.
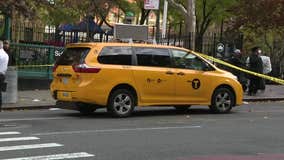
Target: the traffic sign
(220, 47)
(151, 4)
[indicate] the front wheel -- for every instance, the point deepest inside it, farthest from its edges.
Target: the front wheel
(121, 103)
(222, 100)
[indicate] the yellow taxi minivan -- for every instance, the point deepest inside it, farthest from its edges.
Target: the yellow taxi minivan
(121, 76)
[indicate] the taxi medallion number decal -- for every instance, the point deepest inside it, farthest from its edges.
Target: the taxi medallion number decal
(195, 83)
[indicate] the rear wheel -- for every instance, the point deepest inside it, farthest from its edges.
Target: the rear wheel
(222, 100)
(121, 103)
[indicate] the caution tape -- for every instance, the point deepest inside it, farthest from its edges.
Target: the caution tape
(34, 66)
(277, 80)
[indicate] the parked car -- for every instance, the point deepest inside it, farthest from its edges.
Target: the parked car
(121, 76)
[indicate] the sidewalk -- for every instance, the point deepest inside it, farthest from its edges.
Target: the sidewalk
(32, 99)
(38, 99)
(271, 93)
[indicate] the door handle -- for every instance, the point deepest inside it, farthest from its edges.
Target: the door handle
(149, 80)
(180, 74)
(63, 75)
(170, 72)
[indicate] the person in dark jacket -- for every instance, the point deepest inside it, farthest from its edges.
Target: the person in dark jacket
(236, 60)
(255, 65)
(6, 47)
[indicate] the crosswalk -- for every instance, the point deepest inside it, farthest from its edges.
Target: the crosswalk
(26, 147)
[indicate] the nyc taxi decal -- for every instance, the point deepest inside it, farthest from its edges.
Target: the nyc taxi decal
(195, 83)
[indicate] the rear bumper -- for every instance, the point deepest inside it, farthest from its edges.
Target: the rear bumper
(82, 95)
(66, 105)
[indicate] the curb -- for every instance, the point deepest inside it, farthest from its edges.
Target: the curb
(263, 99)
(28, 107)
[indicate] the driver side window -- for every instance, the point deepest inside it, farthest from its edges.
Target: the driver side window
(186, 60)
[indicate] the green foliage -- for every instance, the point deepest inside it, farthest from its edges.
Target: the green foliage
(255, 14)
(211, 11)
(217, 10)
(174, 15)
(262, 23)
(27, 8)
(207, 12)
(58, 13)
(125, 6)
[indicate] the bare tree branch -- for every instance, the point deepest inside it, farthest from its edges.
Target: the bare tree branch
(179, 7)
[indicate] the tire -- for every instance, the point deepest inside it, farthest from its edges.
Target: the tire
(121, 103)
(182, 108)
(222, 100)
(86, 109)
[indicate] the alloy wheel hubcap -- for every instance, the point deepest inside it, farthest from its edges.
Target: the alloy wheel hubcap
(223, 101)
(122, 103)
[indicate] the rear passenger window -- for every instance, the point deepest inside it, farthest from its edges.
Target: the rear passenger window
(72, 56)
(116, 55)
(153, 57)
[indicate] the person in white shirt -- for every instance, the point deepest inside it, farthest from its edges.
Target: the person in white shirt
(4, 59)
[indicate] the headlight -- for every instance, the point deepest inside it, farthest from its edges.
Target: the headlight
(234, 77)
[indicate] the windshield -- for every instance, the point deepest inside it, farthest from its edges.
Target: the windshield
(187, 60)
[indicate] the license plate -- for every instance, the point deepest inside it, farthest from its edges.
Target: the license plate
(64, 95)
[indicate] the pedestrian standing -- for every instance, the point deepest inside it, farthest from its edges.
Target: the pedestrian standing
(255, 64)
(266, 68)
(4, 59)
(6, 47)
(236, 60)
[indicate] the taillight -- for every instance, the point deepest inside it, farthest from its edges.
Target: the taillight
(83, 68)
(54, 67)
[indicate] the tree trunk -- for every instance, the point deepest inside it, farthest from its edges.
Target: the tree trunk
(144, 15)
(190, 22)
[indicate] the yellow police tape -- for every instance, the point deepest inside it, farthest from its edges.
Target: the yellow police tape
(34, 66)
(277, 80)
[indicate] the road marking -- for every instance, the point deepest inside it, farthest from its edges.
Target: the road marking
(32, 146)
(114, 130)
(54, 109)
(30, 119)
(18, 139)
(245, 102)
(9, 133)
(56, 156)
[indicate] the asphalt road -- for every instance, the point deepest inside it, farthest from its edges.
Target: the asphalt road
(250, 132)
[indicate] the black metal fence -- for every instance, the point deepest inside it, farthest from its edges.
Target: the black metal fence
(39, 45)
(35, 61)
(49, 35)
